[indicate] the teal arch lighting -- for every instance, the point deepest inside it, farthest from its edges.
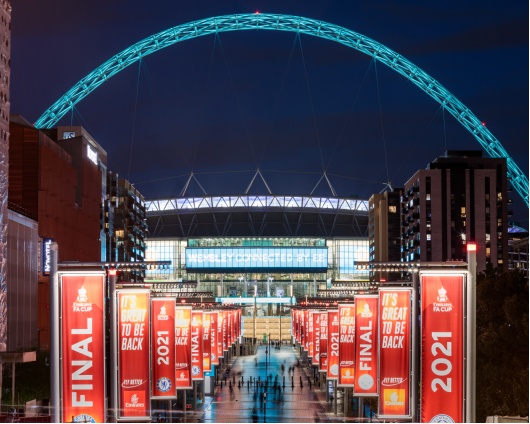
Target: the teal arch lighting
(301, 25)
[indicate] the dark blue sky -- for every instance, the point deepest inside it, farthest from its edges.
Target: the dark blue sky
(225, 106)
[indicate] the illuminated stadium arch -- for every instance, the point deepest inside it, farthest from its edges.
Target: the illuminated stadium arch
(302, 25)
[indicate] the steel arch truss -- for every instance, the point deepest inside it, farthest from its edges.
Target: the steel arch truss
(292, 24)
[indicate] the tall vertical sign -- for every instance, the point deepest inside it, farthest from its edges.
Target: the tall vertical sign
(163, 348)
(442, 335)
(323, 360)
(214, 319)
(83, 348)
(310, 339)
(220, 334)
(366, 312)
(133, 354)
(197, 367)
(394, 353)
(183, 347)
(333, 345)
(316, 338)
(306, 330)
(207, 341)
(346, 345)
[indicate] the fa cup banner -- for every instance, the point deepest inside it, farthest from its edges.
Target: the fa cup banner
(206, 341)
(346, 345)
(133, 354)
(442, 335)
(163, 348)
(214, 320)
(316, 338)
(323, 363)
(394, 353)
(83, 347)
(333, 345)
(197, 360)
(183, 347)
(366, 313)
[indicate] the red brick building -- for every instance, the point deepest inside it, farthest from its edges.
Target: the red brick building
(59, 184)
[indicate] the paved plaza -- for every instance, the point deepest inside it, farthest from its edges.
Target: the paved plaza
(255, 375)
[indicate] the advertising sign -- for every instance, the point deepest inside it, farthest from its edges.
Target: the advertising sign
(316, 338)
(83, 347)
(206, 341)
(133, 354)
(220, 334)
(333, 344)
(183, 347)
(323, 350)
(310, 339)
(163, 348)
(197, 367)
(226, 259)
(346, 345)
(442, 335)
(214, 319)
(46, 256)
(306, 330)
(394, 353)
(366, 312)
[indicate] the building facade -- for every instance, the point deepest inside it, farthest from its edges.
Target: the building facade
(125, 222)
(5, 73)
(384, 231)
(461, 197)
(59, 185)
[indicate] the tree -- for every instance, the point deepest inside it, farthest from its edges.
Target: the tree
(502, 344)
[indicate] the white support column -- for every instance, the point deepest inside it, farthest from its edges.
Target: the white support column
(471, 363)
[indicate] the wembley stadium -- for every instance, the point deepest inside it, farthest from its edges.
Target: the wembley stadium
(276, 247)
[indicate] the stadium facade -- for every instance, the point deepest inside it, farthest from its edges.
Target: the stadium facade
(264, 246)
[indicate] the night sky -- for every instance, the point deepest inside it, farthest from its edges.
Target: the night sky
(225, 106)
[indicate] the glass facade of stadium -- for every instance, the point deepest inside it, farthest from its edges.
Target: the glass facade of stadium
(258, 266)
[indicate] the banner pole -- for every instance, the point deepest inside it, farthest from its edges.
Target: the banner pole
(55, 392)
(113, 347)
(471, 363)
(416, 348)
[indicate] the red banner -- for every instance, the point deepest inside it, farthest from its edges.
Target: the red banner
(366, 312)
(294, 320)
(183, 347)
(306, 330)
(394, 353)
(323, 360)
(310, 338)
(225, 331)
(133, 353)
(346, 345)
(316, 338)
(333, 345)
(163, 348)
(214, 320)
(207, 343)
(229, 329)
(442, 334)
(83, 348)
(220, 334)
(197, 369)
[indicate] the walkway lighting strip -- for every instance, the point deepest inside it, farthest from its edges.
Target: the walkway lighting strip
(220, 202)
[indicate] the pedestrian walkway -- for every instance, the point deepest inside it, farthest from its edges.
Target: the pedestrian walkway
(288, 395)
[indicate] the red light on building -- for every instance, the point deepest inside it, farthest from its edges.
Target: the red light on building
(471, 247)
(112, 272)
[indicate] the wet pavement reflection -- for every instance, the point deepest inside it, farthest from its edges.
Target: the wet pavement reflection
(266, 387)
